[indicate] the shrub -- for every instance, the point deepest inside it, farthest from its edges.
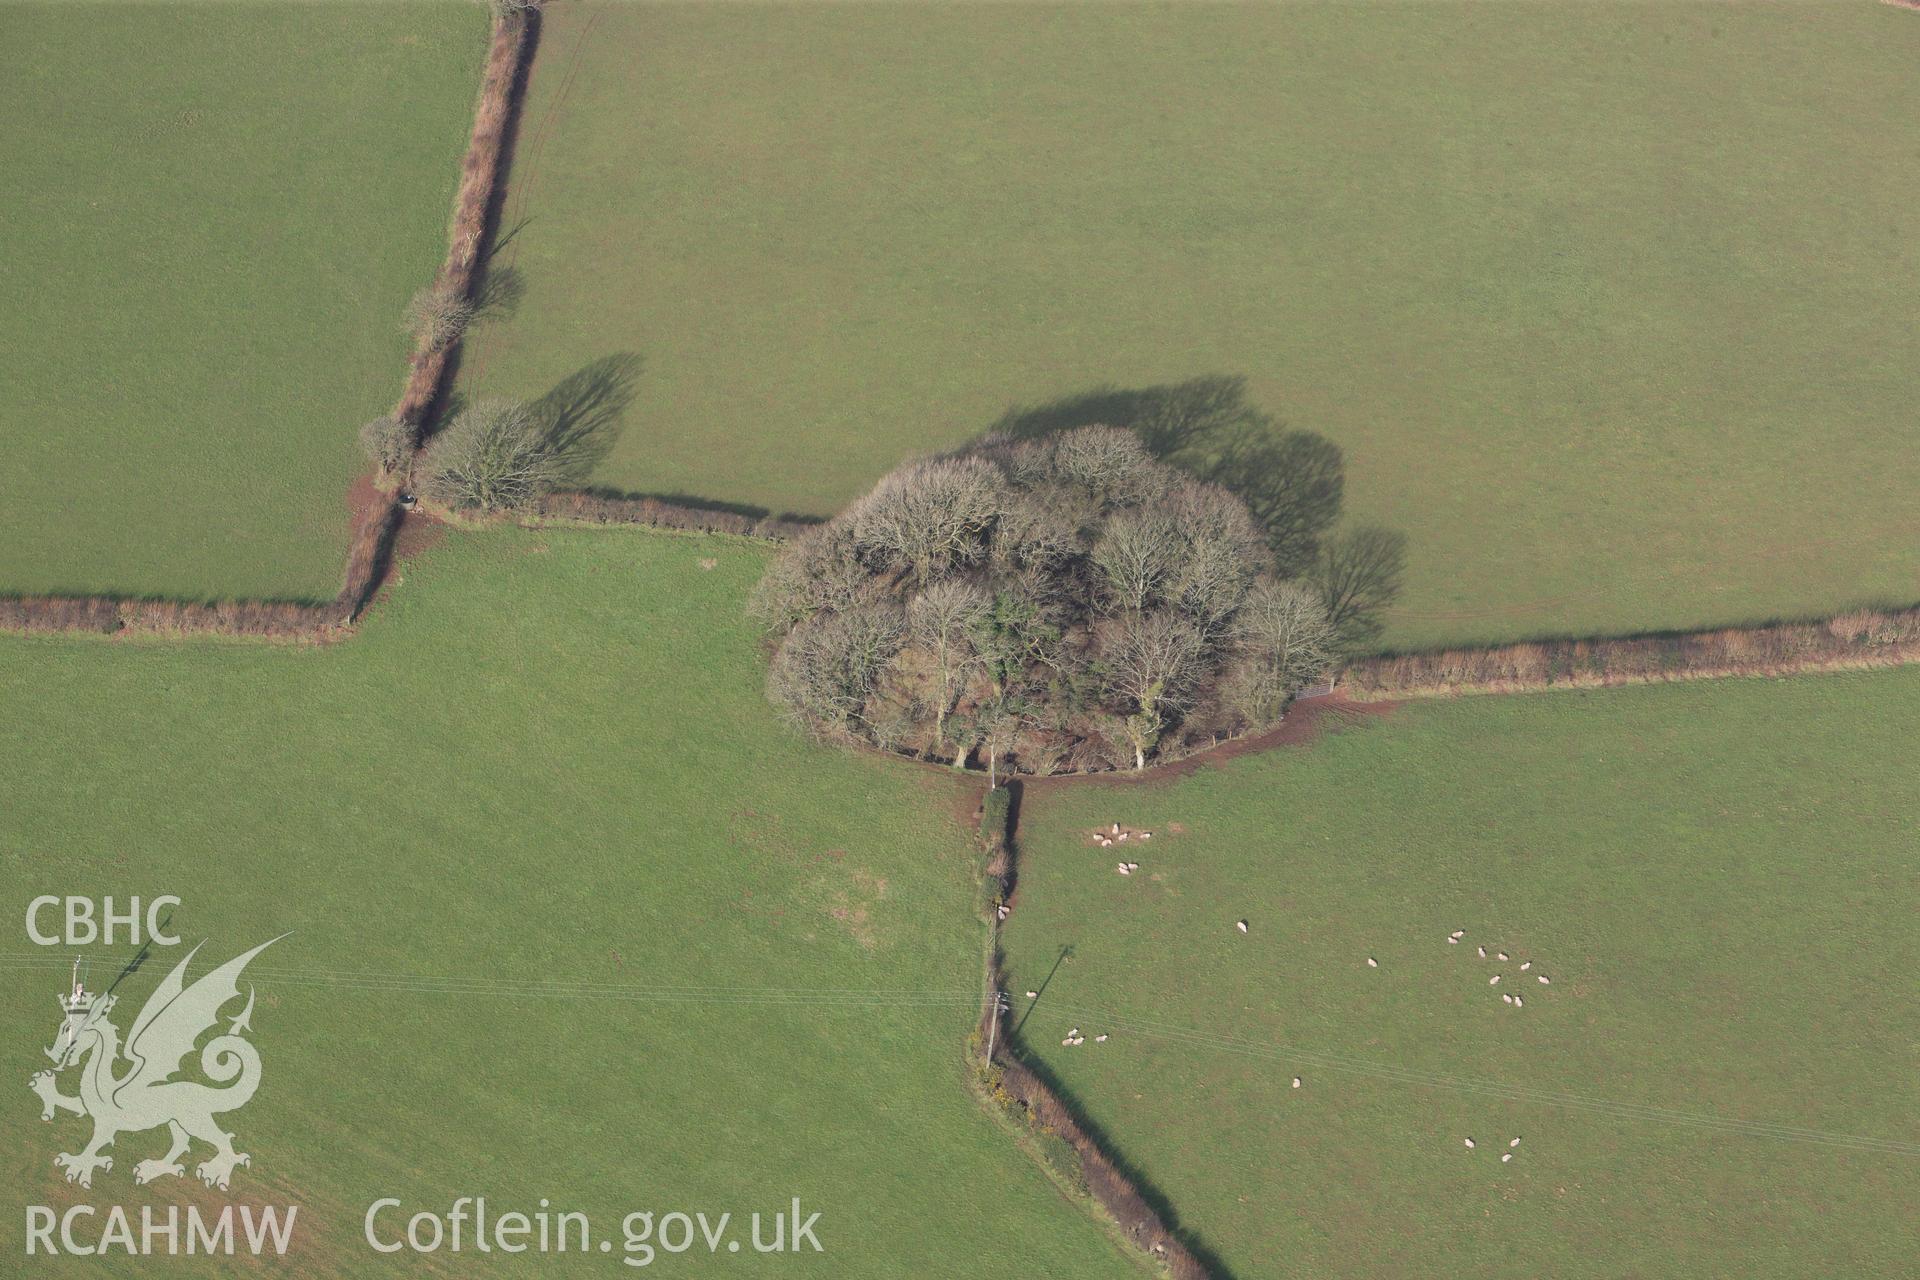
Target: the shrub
(1050, 605)
(437, 316)
(495, 456)
(387, 441)
(994, 813)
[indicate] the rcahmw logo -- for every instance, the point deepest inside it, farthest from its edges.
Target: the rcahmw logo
(135, 1085)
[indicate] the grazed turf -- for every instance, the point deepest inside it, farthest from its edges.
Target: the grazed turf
(1609, 305)
(1718, 878)
(547, 760)
(214, 214)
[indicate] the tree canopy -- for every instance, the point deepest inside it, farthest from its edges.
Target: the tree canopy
(1060, 604)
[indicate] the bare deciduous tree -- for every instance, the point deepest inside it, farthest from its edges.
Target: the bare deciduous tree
(437, 316)
(942, 620)
(829, 666)
(1285, 642)
(1152, 663)
(387, 442)
(495, 456)
(1108, 462)
(929, 517)
(1135, 555)
(819, 571)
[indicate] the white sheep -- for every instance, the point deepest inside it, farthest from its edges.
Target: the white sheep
(1469, 1142)
(1101, 1038)
(1372, 963)
(1241, 925)
(1543, 980)
(1505, 998)
(1525, 965)
(1500, 955)
(1518, 1003)
(1033, 995)
(1514, 1143)
(1494, 981)
(1482, 951)
(1506, 1157)
(1296, 1082)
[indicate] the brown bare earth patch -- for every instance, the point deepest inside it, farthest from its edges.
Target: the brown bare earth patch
(1304, 722)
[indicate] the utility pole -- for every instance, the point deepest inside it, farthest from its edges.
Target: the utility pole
(993, 1028)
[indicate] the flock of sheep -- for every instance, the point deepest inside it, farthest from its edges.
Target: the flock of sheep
(1107, 837)
(1516, 1001)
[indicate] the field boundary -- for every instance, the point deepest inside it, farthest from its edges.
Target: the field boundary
(377, 513)
(1858, 640)
(591, 509)
(1025, 1094)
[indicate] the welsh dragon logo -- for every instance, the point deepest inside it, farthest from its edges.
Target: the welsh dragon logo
(144, 1093)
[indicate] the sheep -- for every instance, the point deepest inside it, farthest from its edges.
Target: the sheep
(1101, 1038)
(1074, 1032)
(1469, 1142)
(1453, 942)
(1116, 828)
(1458, 934)
(1133, 866)
(1296, 1082)
(1146, 835)
(1514, 1143)
(1494, 981)
(1122, 868)
(1543, 979)
(1372, 963)
(1518, 1003)
(1500, 955)
(1033, 995)
(1525, 965)
(1505, 998)
(1506, 1157)
(1122, 837)
(1482, 951)
(1241, 925)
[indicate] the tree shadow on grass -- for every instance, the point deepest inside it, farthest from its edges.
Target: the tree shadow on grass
(581, 418)
(1291, 480)
(1102, 1138)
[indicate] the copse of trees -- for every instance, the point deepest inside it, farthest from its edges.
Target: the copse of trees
(1058, 604)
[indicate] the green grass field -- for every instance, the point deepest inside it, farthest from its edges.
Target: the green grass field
(1608, 304)
(214, 215)
(547, 760)
(1719, 880)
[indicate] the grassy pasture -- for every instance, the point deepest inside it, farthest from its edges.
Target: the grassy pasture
(547, 759)
(214, 214)
(1718, 879)
(1608, 304)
